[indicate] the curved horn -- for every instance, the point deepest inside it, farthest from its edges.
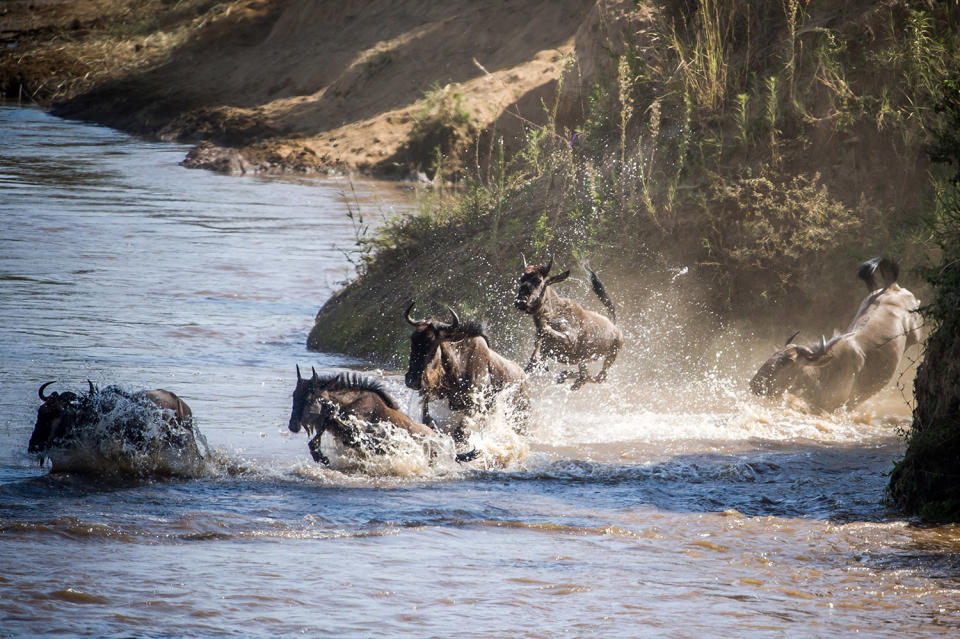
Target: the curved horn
(549, 266)
(823, 344)
(93, 389)
(456, 320)
(807, 353)
(298, 373)
(790, 339)
(410, 320)
(524, 258)
(315, 376)
(41, 390)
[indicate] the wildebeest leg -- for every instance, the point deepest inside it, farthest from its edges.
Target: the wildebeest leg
(607, 363)
(564, 376)
(314, 446)
(535, 355)
(425, 417)
(583, 376)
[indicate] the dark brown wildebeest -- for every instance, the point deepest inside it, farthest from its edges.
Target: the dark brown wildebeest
(336, 402)
(566, 331)
(855, 364)
(137, 423)
(454, 361)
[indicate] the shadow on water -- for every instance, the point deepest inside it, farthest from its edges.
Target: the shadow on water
(836, 484)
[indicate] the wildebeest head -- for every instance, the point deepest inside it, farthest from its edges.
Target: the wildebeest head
(50, 416)
(533, 285)
(779, 372)
(307, 404)
(424, 342)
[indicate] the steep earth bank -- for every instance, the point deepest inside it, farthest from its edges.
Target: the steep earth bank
(294, 85)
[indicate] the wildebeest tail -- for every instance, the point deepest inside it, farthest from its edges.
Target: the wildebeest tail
(884, 266)
(601, 292)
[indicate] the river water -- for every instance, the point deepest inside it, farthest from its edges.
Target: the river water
(646, 513)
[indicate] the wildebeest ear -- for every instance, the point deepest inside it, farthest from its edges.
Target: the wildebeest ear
(558, 278)
(544, 269)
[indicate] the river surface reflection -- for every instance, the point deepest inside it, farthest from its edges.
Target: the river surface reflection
(618, 516)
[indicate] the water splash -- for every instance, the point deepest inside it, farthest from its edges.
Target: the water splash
(125, 433)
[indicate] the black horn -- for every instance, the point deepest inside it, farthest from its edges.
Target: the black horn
(546, 271)
(41, 390)
(93, 389)
(410, 320)
(298, 373)
(456, 320)
(790, 339)
(316, 378)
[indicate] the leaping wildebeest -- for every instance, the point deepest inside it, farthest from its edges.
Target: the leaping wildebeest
(566, 331)
(116, 430)
(337, 402)
(855, 364)
(454, 361)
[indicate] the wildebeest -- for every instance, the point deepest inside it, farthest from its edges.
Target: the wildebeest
(855, 364)
(453, 361)
(566, 331)
(116, 430)
(337, 402)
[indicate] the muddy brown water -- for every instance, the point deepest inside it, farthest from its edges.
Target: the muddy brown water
(689, 510)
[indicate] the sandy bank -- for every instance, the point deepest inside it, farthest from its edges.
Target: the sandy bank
(292, 85)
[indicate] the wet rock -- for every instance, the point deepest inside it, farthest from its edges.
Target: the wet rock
(208, 155)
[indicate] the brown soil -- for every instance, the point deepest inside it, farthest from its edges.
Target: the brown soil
(288, 85)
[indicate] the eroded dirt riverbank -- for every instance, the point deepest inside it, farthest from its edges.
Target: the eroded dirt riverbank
(291, 85)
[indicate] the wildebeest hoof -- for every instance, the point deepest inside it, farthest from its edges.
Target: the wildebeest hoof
(468, 456)
(577, 384)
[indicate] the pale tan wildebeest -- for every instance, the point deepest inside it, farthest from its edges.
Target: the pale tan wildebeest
(454, 361)
(855, 364)
(336, 402)
(566, 331)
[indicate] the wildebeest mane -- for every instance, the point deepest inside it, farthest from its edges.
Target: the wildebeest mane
(473, 328)
(355, 382)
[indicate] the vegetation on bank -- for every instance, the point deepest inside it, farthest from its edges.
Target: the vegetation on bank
(767, 147)
(926, 482)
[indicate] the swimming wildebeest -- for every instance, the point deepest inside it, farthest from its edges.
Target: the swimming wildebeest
(113, 429)
(566, 331)
(454, 361)
(857, 363)
(336, 402)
